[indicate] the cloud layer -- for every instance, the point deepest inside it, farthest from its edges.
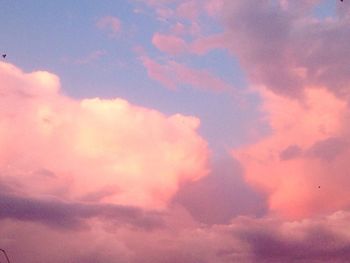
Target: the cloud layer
(244, 239)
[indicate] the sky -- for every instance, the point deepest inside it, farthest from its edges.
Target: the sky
(209, 131)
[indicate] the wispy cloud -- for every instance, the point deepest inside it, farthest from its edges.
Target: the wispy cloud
(172, 75)
(110, 24)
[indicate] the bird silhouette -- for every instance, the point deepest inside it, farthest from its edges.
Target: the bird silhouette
(4, 55)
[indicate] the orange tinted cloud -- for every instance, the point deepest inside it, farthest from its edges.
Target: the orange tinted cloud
(302, 164)
(92, 149)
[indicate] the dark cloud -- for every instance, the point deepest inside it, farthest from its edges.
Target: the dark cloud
(328, 149)
(290, 152)
(286, 49)
(260, 36)
(220, 196)
(245, 239)
(72, 215)
(312, 240)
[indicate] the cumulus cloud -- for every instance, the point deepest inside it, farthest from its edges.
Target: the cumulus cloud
(92, 149)
(302, 74)
(81, 164)
(306, 149)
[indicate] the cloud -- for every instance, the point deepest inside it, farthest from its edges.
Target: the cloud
(307, 148)
(214, 7)
(94, 149)
(293, 60)
(110, 24)
(174, 45)
(312, 240)
(173, 74)
(188, 9)
(221, 196)
(329, 149)
(70, 170)
(169, 44)
(285, 35)
(192, 15)
(290, 152)
(245, 239)
(299, 49)
(204, 44)
(295, 63)
(63, 215)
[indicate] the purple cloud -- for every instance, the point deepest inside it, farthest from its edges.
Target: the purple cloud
(72, 215)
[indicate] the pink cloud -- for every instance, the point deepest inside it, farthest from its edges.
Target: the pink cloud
(111, 24)
(203, 45)
(164, 13)
(178, 29)
(169, 44)
(173, 74)
(245, 239)
(87, 145)
(214, 7)
(188, 9)
(158, 72)
(305, 78)
(307, 148)
(299, 49)
(184, 17)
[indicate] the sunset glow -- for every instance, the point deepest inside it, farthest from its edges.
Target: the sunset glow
(175, 131)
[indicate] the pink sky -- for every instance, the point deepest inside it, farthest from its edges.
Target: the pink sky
(119, 177)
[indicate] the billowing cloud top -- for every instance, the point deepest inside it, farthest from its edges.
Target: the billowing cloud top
(93, 149)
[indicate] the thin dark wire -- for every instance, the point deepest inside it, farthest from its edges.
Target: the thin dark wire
(4, 252)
